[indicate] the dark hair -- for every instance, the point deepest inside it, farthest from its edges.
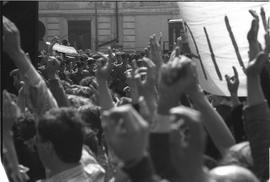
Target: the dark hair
(91, 116)
(79, 64)
(63, 127)
(65, 42)
(41, 30)
(90, 139)
(25, 127)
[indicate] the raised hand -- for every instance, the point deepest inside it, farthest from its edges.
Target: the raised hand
(187, 140)
(104, 67)
(256, 57)
(177, 72)
(256, 65)
(147, 86)
(146, 83)
(11, 37)
(233, 82)
(52, 66)
(254, 45)
(132, 83)
(177, 77)
(155, 51)
(123, 126)
(177, 48)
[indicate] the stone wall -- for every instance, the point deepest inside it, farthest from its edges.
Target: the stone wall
(132, 15)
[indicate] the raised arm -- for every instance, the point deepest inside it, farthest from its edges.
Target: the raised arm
(127, 134)
(213, 122)
(54, 82)
(39, 96)
(103, 73)
(257, 112)
(233, 84)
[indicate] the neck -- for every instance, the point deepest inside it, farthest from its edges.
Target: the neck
(60, 167)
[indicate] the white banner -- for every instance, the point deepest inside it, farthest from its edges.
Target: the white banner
(211, 15)
(65, 49)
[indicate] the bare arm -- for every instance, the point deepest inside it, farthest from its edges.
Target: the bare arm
(102, 74)
(39, 95)
(213, 122)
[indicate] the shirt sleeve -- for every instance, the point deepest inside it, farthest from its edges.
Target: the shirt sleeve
(58, 92)
(257, 123)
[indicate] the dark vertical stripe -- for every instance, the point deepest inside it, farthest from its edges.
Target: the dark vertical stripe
(240, 61)
(212, 54)
(263, 19)
(197, 50)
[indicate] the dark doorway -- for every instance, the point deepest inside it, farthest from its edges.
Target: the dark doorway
(79, 34)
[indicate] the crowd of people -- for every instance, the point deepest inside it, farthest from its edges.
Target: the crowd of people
(119, 117)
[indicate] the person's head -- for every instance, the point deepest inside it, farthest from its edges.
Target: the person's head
(90, 114)
(232, 173)
(239, 154)
(62, 66)
(25, 127)
(65, 42)
(59, 137)
(127, 91)
(90, 139)
(80, 66)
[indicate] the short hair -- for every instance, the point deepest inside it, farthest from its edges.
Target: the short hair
(63, 127)
(25, 127)
(91, 116)
(90, 139)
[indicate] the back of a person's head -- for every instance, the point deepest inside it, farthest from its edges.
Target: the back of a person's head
(25, 128)
(63, 128)
(239, 154)
(233, 173)
(90, 114)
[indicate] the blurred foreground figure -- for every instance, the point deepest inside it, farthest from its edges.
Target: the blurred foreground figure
(233, 174)
(60, 147)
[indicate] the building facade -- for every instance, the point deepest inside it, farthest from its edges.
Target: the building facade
(96, 25)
